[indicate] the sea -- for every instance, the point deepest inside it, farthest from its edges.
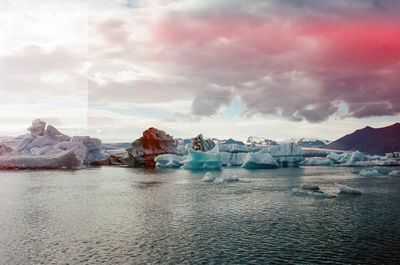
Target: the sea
(120, 215)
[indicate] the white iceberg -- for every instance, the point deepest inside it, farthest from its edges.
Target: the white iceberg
(169, 160)
(316, 161)
(369, 173)
(346, 189)
(287, 155)
(198, 160)
(66, 159)
(208, 177)
(230, 178)
(259, 160)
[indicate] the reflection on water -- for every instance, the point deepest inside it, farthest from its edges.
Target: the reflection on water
(131, 215)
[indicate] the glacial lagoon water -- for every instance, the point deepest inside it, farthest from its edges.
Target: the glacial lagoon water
(167, 216)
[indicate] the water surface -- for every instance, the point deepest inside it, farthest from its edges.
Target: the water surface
(134, 216)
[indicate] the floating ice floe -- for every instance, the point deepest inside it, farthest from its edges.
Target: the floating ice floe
(346, 189)
(169, 160)
(369, 173)
(208, 177)
(199, 160)
(313, 193)
(230, 178)
(259, 160)
(310, 186)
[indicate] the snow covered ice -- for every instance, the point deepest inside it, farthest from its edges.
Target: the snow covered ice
(208, 177)
(346, 189)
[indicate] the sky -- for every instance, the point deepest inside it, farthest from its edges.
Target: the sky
(225, 68)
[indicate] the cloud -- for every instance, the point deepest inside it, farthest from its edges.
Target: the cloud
(294, 59)
(211, 100)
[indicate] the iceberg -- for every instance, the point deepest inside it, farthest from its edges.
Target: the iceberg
(47, 148)
(259, 160)
(316, 161)
(208, 177)
(357, 157)
(153, 143)
(94, 148)
(369, 173)
(200, 144)
(287, 155)
(232, 159)
(395, 173)
(64, 160)
(169, 160)
(346, 189)
(198, 160)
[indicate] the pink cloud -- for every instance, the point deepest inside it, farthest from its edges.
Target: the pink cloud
(296, 66)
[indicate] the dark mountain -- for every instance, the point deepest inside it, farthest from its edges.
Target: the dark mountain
(374, 141)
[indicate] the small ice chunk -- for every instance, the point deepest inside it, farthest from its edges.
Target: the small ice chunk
(346, 189)
(314, 193)
(230, 178)
(369, 173)
(310, 186)
(208, 177)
